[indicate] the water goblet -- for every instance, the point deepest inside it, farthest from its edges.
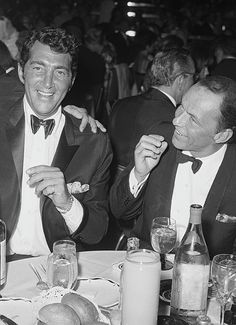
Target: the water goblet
(163, 238)
(223, 273)
(62, 265)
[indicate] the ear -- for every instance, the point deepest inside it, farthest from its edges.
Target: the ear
(223, 136)
(21, 74)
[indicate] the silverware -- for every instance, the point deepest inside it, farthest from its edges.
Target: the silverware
(97, 278)
(42, 285)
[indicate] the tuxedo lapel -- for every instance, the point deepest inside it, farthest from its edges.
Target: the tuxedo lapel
(160, 190)
(219, 186)
(16, 137)
(64, 153)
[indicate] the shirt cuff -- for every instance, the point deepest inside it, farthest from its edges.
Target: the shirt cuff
(74, 216)
(134, 186)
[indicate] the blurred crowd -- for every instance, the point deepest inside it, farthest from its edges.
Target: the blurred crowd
(113, 64)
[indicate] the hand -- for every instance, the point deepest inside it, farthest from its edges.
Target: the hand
(50, 181)
(81, 113)
(147, 154)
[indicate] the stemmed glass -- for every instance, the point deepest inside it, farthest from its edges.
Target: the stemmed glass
(223, 273)
(163, 238)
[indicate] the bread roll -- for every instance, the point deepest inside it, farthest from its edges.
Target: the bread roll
(58, 314)
(84, 308)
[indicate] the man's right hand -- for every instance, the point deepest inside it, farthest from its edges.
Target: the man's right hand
(147, 154)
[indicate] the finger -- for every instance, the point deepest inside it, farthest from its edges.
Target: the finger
(75, 111)
(41, 168)
(49, 190)
(39, 177)
(100, 126)
(153, 138)
(46, 186)
(93, 124)
(84, 122)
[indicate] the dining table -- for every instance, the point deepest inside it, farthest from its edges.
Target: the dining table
(105, 265)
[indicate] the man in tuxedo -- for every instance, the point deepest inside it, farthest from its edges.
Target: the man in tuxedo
(54, 179)
(225, 55)
(171, 75)
(11, 88)
(164, 182)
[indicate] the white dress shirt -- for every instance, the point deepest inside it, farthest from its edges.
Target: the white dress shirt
(28, 236)
(189, 188)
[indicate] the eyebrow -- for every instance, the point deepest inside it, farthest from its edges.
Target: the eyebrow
(192, 115)
(43, 64)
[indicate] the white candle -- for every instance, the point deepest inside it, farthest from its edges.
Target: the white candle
(140, 288)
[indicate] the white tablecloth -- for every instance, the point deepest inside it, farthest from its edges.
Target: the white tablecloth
(21, 280)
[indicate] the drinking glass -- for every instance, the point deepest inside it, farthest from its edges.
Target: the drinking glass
(140, 286)
(62, 265)
(223, 273)
(163, 238)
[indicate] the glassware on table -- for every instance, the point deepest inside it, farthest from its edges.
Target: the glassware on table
(3, 275)
(223, 273)
(62, 265)
(140, 286)
(163, 238)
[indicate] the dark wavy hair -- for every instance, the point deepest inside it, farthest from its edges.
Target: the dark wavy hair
(225, 87)
(57, 39)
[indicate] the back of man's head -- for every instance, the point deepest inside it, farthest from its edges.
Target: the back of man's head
(168, 65)
(225, 87)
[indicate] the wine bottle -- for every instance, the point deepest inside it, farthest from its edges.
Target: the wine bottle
(191, 272)
(2, 254)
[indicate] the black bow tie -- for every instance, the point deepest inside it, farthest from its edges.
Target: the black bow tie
(182, 158)
(47, 124)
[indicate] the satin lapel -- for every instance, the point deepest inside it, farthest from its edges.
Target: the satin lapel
(64, 153)
(219, 186)
(16, 137)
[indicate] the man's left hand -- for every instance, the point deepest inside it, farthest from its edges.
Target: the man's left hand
(50, 181)
(81, 113)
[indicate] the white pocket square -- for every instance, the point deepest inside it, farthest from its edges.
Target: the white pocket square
(222, 217)
(77, 187)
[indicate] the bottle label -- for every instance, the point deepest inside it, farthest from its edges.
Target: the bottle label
(190, 286)
(2, 262)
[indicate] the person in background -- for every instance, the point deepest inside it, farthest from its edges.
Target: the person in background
(225, 54)
(192, 163)
(54, 179)
(203, 57)
(170, 76)
(11, 88)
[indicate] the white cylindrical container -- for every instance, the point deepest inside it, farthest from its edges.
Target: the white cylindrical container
(140, 288)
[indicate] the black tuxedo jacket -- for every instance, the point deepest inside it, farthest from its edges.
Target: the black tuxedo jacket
(83, 157)
(155, 199)
(131, 118)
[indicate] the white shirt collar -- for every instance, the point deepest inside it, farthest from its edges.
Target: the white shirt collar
(216, 156)
(169, 96)
(28, 111)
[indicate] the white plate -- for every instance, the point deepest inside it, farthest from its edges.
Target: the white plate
(20, 311)
(103, 292)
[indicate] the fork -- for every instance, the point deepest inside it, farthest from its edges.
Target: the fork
(42, 285)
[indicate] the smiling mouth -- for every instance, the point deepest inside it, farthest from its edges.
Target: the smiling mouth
(45, 94)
